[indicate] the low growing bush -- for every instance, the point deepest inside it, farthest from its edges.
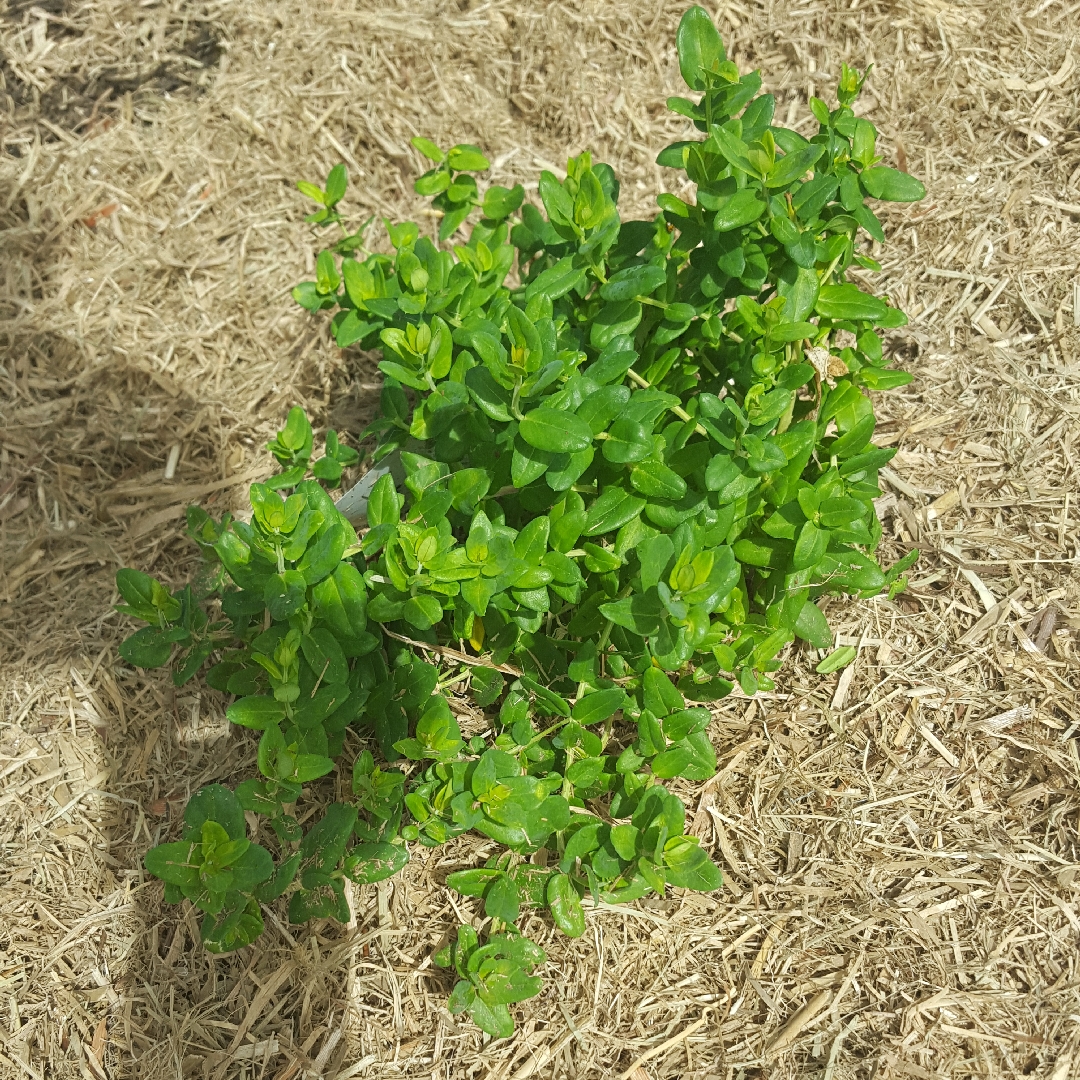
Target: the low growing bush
(634, 455)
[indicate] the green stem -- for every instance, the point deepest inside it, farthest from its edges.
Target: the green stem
(678, 410)
(832, 266)
(546, 732)
(567, 787)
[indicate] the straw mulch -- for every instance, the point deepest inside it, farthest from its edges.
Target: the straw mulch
(899, 841)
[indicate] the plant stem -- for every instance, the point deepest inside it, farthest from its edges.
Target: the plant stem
(678, 410)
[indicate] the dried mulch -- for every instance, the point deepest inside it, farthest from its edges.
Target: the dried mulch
(899, 840)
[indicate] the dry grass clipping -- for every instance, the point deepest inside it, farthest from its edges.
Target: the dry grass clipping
(900, 841)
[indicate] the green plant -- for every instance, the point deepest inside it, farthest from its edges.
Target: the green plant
(635, 455)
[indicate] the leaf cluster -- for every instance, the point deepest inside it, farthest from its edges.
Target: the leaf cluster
(647, 396)
(627, 458)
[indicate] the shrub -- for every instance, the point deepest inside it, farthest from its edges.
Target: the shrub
(633, 454)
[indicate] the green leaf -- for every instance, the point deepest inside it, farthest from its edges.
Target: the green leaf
(840, 511)
(557, 280)
(282, 878)
(604, 405)
(256, 712)
(614, 361)
(368, 863)
(906, 563)
(555, 432)
(791, 166)
(324, 901)
(341, 600)
(495, 1019)
(611, 511)
(451, 222)
(473, 882)
(634, 281)
(565, 469)
(552, 816)
(321, 558)
(735, 151)
(849, 303)
(285, 593)
(565, 905)
(877, 379)
(485, 775)
(812, 626)
(672, 156)
(326, 273)
(255, 865)
(486, 686)
(527, 463)
(891, 185)
(466, 158)
(654, 554)
(810, 546)
(423, 611)
(639, 613)
(598, 706)
(766, 649)
(627, 441)
(584, 840)
(231, 929)
(147, 648)
(585, 773)
(798, 286)
(325, 656)
(428, 149)
(312, 191)
(336, 183)
(674, 205)
(311, 767)
(872, 460)
(384, 503)
(624, 839)
(671, 762)
(492, 398)
(614, 320)
(689, 867)
(660, 694)
(653, 874)
(145, 596)
(699, 46)
(324, 844)
(432, 182)
(500, 202)
(501, 899)
(837, 659)
(177, 864)
(742, 208)
(216, 803)
(462, 997)
(655, 479)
